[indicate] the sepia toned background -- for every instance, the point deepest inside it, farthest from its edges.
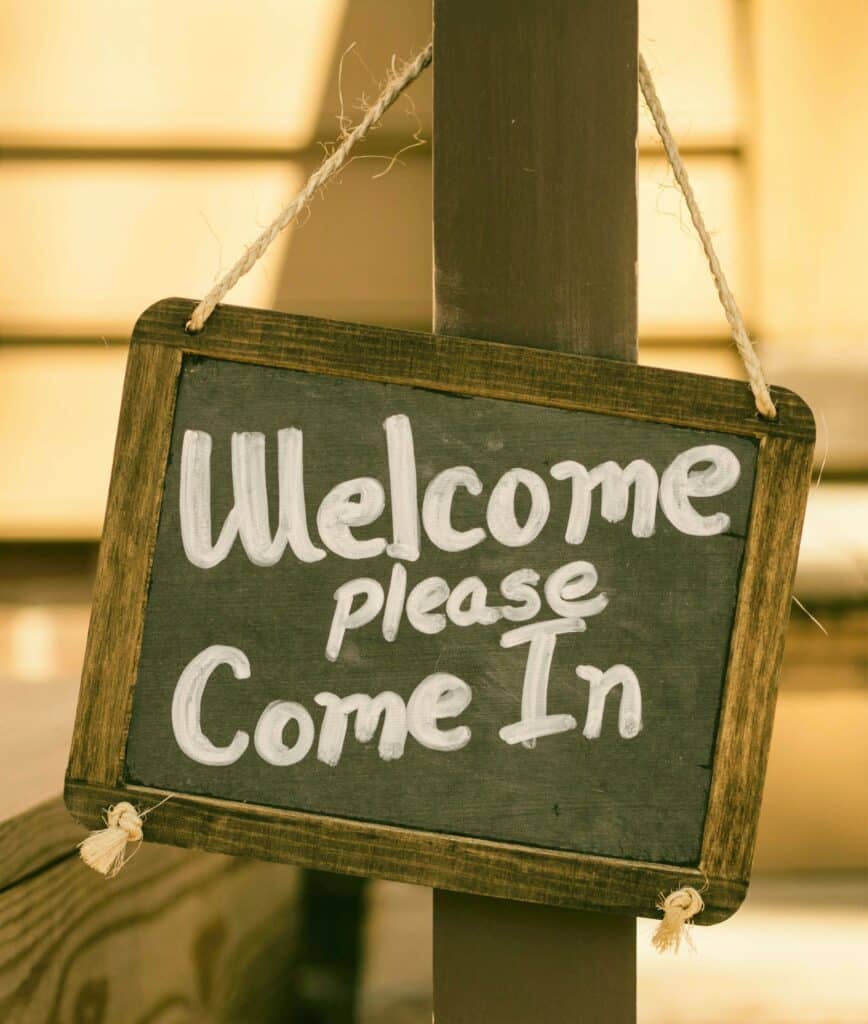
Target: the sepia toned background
(142, 144)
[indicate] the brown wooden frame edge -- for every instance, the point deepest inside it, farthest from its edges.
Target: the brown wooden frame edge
(95, 774)
(446, 363)
(458, 863)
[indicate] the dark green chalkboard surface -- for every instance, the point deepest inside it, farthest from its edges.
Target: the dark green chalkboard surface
(671, 599)
(470, 615)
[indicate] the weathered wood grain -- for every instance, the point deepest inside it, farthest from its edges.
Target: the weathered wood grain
(535, 173)
(450, 862)
(34, 839)
(461, 366)
(176, 937)
(132, 514)
(756, 652)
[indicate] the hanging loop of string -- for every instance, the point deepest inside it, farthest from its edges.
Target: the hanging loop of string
(756, 377)
(399, 78)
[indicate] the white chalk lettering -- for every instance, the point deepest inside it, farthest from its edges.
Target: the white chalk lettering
(293, 510)
(615, 484)
(521, 586)
(394, 602)
(437, 509)
(567, 585)
(356, 502)
(477, 612)
(501, 518)
(251, 500)
(427, 595)
(345, 617)
(681, 482)
(535, 720)
(195, 505)
(393, 735)
(333, 728)
(368, 711)
(440, 695)
(187, 706)
(630, 710)
(402, 487)
(268, 737)
(702, 472)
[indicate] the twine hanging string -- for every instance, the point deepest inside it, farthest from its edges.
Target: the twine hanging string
(398, 80)
(756, 377)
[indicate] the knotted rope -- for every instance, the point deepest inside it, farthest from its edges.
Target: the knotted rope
(679, 908)
(105, 850)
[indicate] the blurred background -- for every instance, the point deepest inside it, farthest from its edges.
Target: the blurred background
(143, 143)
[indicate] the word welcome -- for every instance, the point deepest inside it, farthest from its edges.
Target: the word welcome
(700, 472)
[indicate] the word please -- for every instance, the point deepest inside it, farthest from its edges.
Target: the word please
(439, 696)
(567, 592)
(704, 471)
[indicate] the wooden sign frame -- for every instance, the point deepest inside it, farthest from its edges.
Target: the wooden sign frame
(95, 776)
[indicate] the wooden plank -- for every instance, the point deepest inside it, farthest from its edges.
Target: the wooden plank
(462, 366)
(535, 174)
(535, 243)
(539, 955)
(439, 860)
(36, 838)
(176, 936)
(130, 531)
(756, 653)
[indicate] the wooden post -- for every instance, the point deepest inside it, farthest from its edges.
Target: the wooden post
(535, 109)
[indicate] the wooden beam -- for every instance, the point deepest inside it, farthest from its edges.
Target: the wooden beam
(176, 936)
(535, 243)
(496, 960)
(535, 173)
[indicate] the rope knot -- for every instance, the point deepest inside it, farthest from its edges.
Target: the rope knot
(124, 816)
(679, 908)
(105, 849)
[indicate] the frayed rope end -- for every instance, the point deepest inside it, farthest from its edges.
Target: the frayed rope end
(105, 850)
(679, 908)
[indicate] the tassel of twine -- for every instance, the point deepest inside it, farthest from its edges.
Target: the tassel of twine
(105, 849)
(679, 908)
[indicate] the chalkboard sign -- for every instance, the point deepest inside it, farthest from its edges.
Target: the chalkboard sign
(463, 614)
